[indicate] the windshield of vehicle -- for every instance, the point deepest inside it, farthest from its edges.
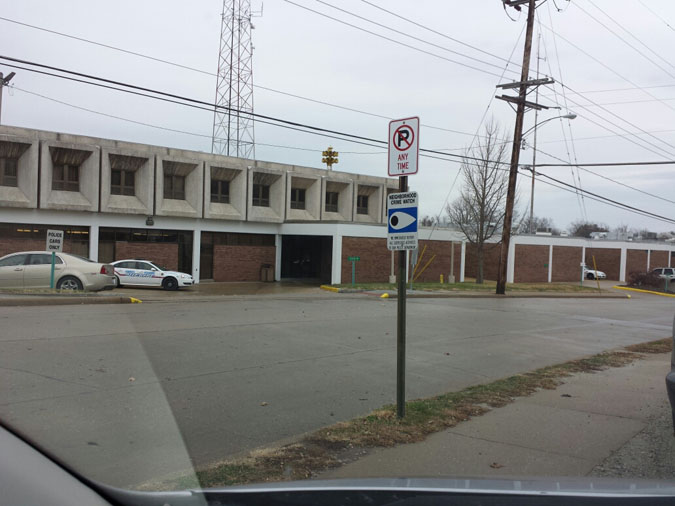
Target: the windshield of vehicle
(384, 269)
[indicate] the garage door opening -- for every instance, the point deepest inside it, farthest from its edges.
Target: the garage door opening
(306, 257)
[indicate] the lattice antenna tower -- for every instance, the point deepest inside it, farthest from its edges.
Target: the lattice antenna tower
(233, 128)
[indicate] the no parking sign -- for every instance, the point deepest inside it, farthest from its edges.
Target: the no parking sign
(404, 146)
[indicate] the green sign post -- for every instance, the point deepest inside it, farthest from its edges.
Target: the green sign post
(353, 260)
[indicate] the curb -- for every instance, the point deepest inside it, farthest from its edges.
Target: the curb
(644, 291)
(507, 296)
(65, 301)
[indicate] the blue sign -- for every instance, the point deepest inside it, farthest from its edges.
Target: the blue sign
(402, 220)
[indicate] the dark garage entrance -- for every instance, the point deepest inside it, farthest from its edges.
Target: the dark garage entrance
(306, 257)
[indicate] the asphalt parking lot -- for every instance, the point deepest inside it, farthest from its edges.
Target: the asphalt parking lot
(132, 392)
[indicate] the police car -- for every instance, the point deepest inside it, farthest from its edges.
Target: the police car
(145, 273)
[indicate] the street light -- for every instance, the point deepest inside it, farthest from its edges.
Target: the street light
(570, 115)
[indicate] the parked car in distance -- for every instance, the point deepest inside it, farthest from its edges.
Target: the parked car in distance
(147, 274)
(593, 274)
(665, 272)
(32, 269)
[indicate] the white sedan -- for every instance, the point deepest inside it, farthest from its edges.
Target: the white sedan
(32, 269)
(145, 273)
(593, 274)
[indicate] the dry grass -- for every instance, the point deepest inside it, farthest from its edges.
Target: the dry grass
(660, 346)
(332, 446)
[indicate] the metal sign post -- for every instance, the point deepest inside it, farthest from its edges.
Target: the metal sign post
(353, 260)
(403, 156)
(54, 244)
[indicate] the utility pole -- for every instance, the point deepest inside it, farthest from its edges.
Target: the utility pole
(534, 147)
(4, 81)
(517, 134)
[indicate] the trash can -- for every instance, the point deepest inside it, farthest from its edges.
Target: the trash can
(267, 273)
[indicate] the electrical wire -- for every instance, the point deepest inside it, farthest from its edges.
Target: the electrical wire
(213, 74)
(391, 40)
(323, 132)
(578, 6)
(601, 176)
(507, 61)
(399, 33)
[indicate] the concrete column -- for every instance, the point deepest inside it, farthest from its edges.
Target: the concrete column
(622, 267)
(196, 253)
(277, 257)
(336, 274)
(93, 243)
(462, 262)
(550, 263)
(511, 262)
(649, 258)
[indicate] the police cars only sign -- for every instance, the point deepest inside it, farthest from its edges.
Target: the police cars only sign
(404, 144)
(402, 221)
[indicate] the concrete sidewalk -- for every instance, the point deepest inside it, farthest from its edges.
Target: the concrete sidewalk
(563, 432)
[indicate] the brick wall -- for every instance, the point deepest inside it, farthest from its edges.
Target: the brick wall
(566, 263)
(163, 254)
(375, 263)
(441, 262)
(636, 261)
(13, 245)
(490, 261)
(241, 263)
(607, 259)
(658, 259)
(531, 264)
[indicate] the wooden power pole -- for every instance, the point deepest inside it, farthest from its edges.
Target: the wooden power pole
(521, 103)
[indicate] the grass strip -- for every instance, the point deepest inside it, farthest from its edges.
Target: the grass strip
(331, 446)
(488, 286)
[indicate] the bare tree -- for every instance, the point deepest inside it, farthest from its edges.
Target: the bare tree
(581, 228)
(479, 210)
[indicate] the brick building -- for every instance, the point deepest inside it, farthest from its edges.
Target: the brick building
(225, 219)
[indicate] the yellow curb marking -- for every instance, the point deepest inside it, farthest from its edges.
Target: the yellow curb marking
(644, 291)
(330, 288)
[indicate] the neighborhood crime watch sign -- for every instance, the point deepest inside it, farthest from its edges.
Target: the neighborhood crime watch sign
(54, 240)
(404, 146)
(402, 221)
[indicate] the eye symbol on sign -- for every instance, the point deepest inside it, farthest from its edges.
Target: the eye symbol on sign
(399, 220)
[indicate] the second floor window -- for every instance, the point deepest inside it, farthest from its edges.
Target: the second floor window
(261, 195)
(297, 198)
(362, 204)
(174, 187)
(220, 191)
(122, 182)
(332, 202)
(66, 178)
(8, 171)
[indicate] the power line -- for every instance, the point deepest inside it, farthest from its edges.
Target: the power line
(632, 208)
(207, 106)
(392, 40)
(159, 127)
(300, 97)
(213, 74)
(603, 177)
(507, 61)
(602, 201)
(320, 131)
(406, 34)
(620, 37)
(655, 14)
(600, 62)
(580, 198)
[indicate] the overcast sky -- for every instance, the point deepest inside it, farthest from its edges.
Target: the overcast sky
(303, 53)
